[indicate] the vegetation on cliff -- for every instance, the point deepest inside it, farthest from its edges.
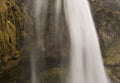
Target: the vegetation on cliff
(13, 20)
(112, 61)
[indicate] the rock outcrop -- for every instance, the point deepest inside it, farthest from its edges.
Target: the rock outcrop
(107, 19)
(13, 19)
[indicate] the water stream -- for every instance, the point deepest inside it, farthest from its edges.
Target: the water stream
(86, 65)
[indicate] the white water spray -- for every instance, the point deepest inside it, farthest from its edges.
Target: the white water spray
(86, 61)
(40, 13)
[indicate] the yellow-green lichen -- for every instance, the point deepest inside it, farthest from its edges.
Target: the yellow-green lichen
(13, 19)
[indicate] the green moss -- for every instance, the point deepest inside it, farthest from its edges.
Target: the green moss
(112, 60)
(13, 19)
(53, 75)
(11, 31)
(3, 6)
(112, 53)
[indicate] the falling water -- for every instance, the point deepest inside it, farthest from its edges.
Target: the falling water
(40, 12)
(86, 62)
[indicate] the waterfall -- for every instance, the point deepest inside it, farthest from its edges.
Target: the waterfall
(86, 62)
(37, 52)
(86, 65)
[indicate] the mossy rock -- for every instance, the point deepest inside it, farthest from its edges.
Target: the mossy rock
(112, 53)
(14, 19)
(112, 61)
(53, 75)
(107, 19)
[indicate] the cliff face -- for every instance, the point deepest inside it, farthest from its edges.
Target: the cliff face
(107, 19)
(112, 61)
(15, 29)
(13, 18)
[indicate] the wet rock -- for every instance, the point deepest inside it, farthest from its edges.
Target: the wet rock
(107, 19)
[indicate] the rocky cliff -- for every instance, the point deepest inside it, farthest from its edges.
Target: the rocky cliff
(107, 19)
(13, 19)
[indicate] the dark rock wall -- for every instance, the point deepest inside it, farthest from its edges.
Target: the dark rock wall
(107, 19)
(106, 15)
